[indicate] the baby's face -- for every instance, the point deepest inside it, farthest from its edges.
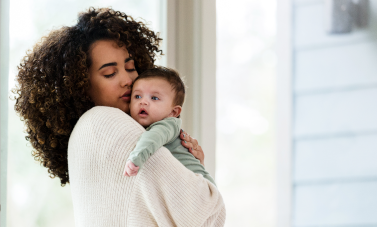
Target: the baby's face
(151, 101)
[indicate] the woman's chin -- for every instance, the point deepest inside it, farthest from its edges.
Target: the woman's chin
(125, 109)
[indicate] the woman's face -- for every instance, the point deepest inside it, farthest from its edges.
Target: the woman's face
(111, 75)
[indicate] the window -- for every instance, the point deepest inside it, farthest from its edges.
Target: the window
(245, 109)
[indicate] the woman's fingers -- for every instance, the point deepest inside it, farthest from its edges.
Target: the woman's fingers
(198, 152)
(182, 135)
(192, 145)
(186, 137)
(188, 145)
(188, 141)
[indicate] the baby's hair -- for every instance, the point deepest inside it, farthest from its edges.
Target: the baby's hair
(172, 77)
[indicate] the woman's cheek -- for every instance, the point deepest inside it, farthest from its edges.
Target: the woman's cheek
(134, 77)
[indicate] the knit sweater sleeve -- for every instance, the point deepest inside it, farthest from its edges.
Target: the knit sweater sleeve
(164, 193)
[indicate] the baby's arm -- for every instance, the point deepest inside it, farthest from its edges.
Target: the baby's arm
(157, 135)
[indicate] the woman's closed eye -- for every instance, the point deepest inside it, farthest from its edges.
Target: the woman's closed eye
(110, 75)
(131, 70)
(155, 98)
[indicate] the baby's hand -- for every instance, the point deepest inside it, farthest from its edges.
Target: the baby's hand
(131, 169)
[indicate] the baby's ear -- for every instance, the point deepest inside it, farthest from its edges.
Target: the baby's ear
(176, 111)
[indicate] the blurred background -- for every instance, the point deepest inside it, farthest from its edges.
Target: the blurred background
(311, 124)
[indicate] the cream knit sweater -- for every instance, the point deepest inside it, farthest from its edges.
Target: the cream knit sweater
(164, 192)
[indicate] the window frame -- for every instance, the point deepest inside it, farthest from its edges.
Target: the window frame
(191, 49)
(4, 72)
(284, 114)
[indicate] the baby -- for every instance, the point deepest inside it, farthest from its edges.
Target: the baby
(156, 103)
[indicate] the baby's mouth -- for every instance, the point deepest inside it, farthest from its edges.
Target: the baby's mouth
(142, 112)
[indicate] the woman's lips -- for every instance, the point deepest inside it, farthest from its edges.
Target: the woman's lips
(127, 96)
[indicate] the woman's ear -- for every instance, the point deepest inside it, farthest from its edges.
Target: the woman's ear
(176, 111)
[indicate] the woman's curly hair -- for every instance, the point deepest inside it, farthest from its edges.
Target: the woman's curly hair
(53, 79)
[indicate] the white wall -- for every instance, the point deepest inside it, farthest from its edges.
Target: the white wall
(334, 130)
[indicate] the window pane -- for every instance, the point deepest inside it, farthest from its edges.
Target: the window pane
(245, 109)
(33, 198)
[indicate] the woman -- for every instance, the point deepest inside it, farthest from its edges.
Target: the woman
(73, 94)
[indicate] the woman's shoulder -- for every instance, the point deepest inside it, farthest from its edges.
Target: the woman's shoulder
(104, 120)
(103, 130)
(105, 116)
(101, 111)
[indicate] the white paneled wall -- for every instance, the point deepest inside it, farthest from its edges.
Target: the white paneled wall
(348, 204)
(351, 66)
(338, 112)
(308, 27)
(340, 158)
(334, 166)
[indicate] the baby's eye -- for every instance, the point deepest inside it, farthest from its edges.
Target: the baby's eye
(155, 98)
(137, 96)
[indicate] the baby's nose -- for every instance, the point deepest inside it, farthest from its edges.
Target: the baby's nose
(143, 102)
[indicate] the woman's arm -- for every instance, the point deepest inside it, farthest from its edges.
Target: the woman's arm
(176, 196)
(164, 193)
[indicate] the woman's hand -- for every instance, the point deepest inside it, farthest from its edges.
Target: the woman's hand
(192, 145)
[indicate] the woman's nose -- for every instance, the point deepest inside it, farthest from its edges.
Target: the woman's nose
(125, 79)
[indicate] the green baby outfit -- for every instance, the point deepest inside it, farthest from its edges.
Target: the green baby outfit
(166, 133)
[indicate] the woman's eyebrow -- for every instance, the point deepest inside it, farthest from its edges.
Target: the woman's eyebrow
(128, 59)
(108, 64)
(114, 63)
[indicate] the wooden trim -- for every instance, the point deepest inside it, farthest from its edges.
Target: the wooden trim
(284, 113)
(191, 49)
(4, 73)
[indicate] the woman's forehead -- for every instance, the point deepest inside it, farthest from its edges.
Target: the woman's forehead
(107, 50)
